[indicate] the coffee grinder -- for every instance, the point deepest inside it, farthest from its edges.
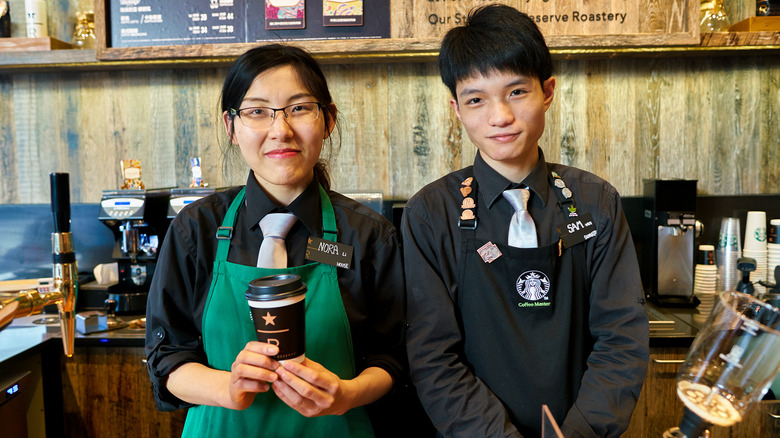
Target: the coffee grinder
(139, 221)
(667, 255)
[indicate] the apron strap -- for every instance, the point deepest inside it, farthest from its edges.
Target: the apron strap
(225, 232)
(565, 203)
(330, 232)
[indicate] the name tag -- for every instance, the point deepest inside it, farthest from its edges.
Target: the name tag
(577, 230)
(331, 253)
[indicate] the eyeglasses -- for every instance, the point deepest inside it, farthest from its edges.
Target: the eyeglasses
(261, 117)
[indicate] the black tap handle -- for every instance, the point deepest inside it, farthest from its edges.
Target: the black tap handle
(60, 201)
(111, 305)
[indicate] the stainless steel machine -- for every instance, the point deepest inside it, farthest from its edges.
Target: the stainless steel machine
(180, 198)
(670, 228)
(139, 221)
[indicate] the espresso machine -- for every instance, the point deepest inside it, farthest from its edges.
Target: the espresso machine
(139, 220)
(669, 229)
(181, 197)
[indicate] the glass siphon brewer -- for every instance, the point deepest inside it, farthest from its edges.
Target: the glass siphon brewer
(732, 362)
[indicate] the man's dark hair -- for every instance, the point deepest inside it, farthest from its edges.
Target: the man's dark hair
(494, 38)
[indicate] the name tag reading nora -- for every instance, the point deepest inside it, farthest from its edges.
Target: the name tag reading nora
(330, 253)
(577, 230)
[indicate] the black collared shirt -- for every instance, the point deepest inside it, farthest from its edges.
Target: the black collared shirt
(456, 400)
(372, 290)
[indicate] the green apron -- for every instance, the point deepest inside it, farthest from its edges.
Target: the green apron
(227, 328)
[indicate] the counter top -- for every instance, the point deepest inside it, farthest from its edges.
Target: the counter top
(677, 326)
(669, 327)
(31, 332)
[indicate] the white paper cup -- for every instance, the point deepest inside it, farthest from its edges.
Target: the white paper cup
(277, 305)
(755, 231)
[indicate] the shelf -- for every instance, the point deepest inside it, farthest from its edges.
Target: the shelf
(370, 50)
(32, 44)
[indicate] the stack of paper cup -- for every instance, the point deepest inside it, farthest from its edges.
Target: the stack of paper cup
(755, 247)
(772, 250)
(729, 250)
(705, 276)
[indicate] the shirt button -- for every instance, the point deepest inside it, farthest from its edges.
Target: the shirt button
(160, 334)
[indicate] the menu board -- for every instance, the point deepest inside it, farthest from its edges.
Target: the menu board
(135, 23)
(154, 23)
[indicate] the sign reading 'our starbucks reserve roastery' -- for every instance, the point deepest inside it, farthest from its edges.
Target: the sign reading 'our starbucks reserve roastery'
(618, 18)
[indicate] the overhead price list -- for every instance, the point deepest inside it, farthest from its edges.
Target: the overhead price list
(136, 23)
(153, 23)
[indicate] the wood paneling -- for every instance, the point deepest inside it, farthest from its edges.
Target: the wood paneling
(627, 119)
(106, 392)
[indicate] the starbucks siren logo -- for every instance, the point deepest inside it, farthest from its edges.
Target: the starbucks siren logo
(760, 234)
(533, 285)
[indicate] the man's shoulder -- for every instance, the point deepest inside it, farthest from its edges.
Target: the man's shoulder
(574, 176)
(443, 188)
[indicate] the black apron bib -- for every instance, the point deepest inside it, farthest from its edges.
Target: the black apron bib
(525, 319)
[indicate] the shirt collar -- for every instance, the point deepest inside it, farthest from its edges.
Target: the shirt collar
(306, 207)
(492, 184)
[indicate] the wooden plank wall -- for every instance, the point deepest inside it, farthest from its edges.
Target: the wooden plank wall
(629, 119)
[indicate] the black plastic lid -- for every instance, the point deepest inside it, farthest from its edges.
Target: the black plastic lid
(275, 287)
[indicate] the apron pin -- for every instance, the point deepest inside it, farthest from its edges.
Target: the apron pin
(489, 252)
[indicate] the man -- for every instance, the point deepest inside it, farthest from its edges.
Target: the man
(550, 311)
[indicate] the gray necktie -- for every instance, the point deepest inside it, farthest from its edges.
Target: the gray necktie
(522, 231)
(273, 253)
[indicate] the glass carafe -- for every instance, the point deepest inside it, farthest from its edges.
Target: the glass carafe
(732, 362)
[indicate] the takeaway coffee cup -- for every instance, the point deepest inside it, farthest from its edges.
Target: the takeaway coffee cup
(278, 311)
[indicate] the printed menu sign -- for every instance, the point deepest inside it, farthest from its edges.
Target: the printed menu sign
(325, 20)
(136, 23)
(342, 12)
(285, 14)
(154, 23)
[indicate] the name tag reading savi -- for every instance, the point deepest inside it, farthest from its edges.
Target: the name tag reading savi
(330, 253)
(577, 230)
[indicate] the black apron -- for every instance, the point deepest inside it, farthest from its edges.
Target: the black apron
(525, 320)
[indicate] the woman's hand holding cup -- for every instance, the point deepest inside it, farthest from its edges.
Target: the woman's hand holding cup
(252, 372)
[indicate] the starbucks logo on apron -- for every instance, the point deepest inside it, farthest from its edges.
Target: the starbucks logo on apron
(533, 285)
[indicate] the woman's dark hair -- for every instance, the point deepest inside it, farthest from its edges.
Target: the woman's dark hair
(494, 38)
(261, 59)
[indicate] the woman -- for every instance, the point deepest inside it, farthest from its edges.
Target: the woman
(201, 346)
